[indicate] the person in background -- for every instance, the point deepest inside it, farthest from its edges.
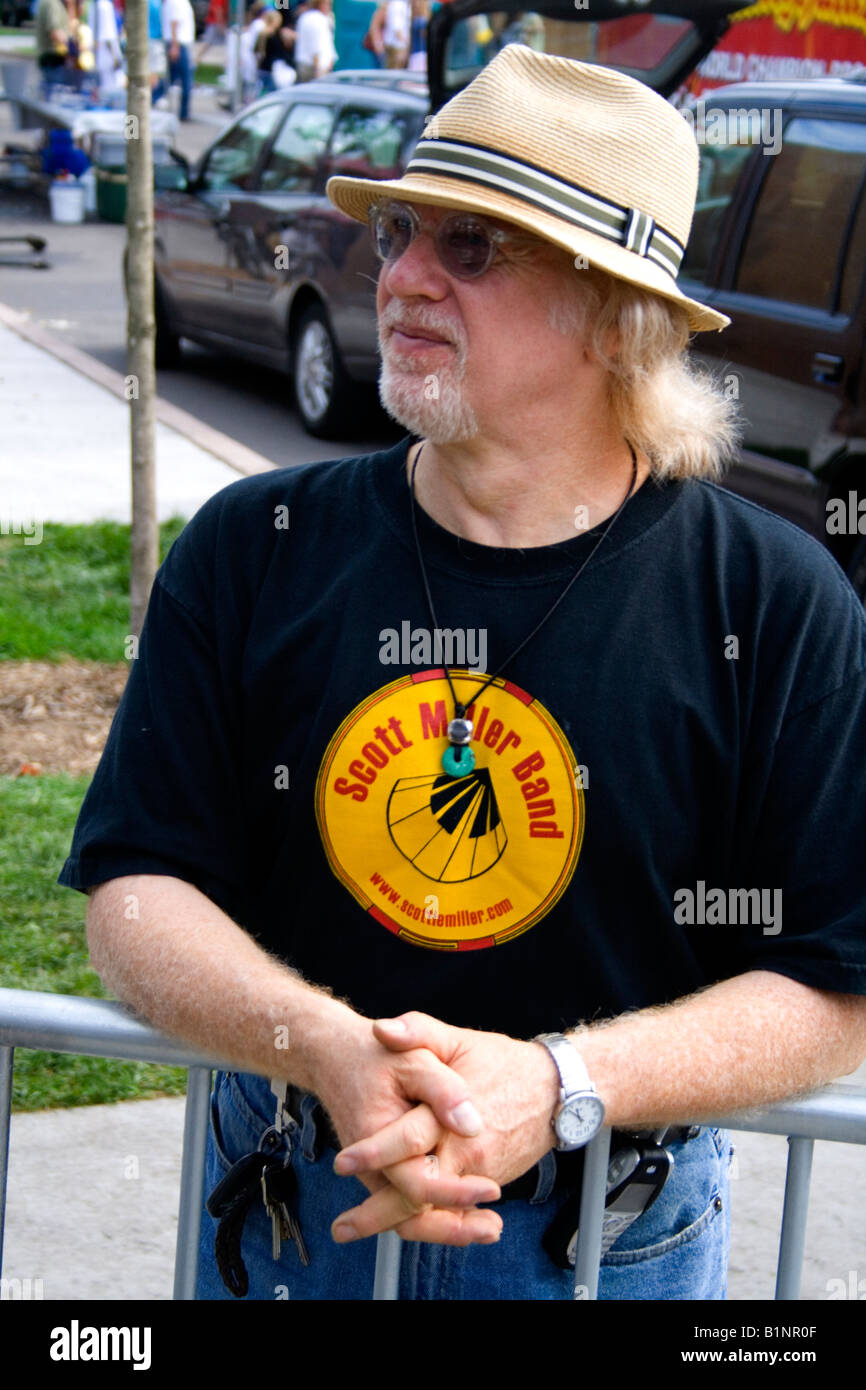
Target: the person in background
(178, 32)
(53, 34)
(256, 20)
(156, 56)
(374, 39)
(418, 40)
(270, 48)
(249, 69)
(315, 53)
(107, 53)
(526, 27)
(215, 26)
(398, 18)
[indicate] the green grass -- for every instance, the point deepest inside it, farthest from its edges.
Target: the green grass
(68, 595)
(208, 74)
(44, 947)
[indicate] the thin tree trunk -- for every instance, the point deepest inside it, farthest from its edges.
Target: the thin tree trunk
(140, 323)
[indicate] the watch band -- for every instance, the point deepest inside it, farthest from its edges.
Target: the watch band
(573, 1075)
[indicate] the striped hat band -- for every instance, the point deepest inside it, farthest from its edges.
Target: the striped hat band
(628, 227)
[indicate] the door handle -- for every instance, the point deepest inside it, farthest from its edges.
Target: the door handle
(827, 368)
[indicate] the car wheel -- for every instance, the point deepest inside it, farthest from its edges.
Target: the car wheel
(324, 393)
(857, 570)
(167, 346)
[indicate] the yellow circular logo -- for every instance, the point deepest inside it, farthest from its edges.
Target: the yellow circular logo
(453, 863)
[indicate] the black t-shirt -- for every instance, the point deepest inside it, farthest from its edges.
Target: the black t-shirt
(669, 783)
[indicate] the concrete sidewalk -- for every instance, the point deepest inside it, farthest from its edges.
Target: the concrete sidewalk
(64, 443)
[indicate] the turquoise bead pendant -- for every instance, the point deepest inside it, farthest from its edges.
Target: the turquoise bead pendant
(458, 761)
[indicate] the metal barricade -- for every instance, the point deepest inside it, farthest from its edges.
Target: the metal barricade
(99, 1028)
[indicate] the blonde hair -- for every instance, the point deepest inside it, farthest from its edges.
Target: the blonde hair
(667, 406)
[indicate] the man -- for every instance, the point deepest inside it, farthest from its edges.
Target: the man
(311, 764)
(178, 32)
(314, 49)
(53, 36)
(397, 33)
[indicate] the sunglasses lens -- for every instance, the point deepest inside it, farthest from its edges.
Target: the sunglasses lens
(464, 242)
(391, 230)
(465, 247)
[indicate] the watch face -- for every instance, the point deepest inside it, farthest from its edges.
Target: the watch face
(579, 1120)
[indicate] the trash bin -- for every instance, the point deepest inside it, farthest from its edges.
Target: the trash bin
(111, 193)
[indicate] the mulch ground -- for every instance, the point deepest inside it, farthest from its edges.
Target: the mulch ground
(55, 716)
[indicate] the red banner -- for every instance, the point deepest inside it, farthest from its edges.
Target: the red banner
(787, 40)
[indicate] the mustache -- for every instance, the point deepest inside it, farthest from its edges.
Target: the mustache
(428, 320)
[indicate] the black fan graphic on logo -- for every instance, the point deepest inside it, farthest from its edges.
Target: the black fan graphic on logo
(449, 828)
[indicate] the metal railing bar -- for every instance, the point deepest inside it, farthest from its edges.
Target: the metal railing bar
(837, 1113)
(587, 1257)
(386, 1281)
(195, 1126)
(7, 1063)
(792, 1241)
(92, 1028)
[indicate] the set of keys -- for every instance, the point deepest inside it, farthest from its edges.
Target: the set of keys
(279, 1194)
(267, 1171)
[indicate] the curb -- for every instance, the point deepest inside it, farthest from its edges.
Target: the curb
(227, 450)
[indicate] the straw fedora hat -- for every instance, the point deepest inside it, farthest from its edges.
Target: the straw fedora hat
(579, 155)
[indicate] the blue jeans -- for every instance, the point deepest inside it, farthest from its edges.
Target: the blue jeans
(676, 1250)
(179, 70)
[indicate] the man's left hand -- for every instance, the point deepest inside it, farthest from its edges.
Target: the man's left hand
(515, 1086)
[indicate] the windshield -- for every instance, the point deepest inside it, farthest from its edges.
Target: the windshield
(636, 44)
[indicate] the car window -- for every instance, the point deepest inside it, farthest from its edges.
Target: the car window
(300, 144)
(802, 221)
(720, 169)
(367, 144)
(232, 162)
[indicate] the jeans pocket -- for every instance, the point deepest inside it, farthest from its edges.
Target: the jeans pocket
(690, 1201)
(237, 1122)
(678, 1238)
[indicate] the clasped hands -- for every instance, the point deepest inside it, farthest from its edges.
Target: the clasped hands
(446, 1116)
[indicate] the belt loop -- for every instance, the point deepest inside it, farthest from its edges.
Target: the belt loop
(309, 1147)
(546, 1178)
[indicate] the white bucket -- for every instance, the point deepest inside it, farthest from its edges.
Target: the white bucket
(67, 201)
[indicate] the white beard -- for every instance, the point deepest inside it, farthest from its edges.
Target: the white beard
(429, 404)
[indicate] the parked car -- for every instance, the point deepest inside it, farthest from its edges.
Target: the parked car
(252, 258)
(779, 244)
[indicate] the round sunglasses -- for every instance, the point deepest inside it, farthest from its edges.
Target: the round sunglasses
(465, 243)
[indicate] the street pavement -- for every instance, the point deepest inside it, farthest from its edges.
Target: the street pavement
(93, 1191)
(80, 300)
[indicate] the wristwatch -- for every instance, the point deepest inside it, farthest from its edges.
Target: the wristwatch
(581, 1110)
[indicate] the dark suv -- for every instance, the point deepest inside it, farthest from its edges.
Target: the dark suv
(779, 244)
